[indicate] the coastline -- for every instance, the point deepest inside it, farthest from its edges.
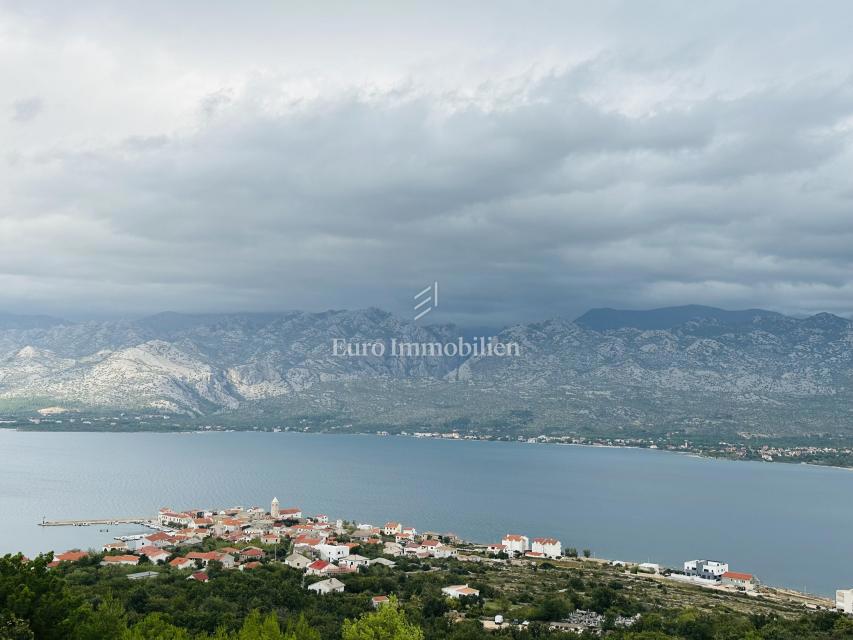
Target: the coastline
(698, 452)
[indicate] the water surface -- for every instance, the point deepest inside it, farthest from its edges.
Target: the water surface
(788, 524)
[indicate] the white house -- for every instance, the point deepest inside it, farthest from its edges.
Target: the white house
(293, 513)
(353, 561)
(444, 551)
(844, 600)
(514, 543)
(136, 543)
(332, 552)
(168, 517)
(392, 528)
(459, 590)
(332, 585)
(742, 580)
(154, 554)
(548, 547)
(708, 569)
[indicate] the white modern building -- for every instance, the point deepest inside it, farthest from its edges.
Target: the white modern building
(332, 552)
(708, 569)
(548, 547)
(514, 543)
(844, 600)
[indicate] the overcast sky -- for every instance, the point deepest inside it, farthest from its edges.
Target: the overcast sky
(537, 159)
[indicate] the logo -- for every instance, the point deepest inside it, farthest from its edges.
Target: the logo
(402, 347)
(429, 301)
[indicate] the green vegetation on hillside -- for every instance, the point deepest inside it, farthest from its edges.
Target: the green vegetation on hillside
(84, 601)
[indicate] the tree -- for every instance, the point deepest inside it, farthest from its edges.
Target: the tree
(155, 627)
(12, 628)
(388, 623)
(553, 607)
(300, 630)
(107, 621)
(587, 553)
(34, 597)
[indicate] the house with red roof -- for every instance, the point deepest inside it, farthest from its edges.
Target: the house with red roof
(68, 556)
(206, 557)
(154, 554)
(378, 601)
(547, 547)
(320, 568)
(251, 553)
(459, 590)
(740, 580)
(514, 543)
(130, 561)
(182, 563)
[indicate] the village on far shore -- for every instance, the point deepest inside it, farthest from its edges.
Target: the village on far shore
(240, 538)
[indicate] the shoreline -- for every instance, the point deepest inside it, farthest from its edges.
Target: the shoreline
(435, 436)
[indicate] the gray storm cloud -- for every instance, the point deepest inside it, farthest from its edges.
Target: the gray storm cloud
(622, 170)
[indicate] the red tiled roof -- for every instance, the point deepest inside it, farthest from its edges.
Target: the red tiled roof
(734, 575)
(156, 537)
(119, 559)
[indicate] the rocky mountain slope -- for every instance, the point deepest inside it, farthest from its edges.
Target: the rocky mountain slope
(609, 367)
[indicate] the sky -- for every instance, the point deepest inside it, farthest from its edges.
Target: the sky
(536, 159)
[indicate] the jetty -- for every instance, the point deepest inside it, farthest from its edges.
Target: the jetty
(148, 522)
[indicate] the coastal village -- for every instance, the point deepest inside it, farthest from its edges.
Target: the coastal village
(326, 551)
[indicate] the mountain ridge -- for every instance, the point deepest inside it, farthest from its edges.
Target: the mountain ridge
(755, 365)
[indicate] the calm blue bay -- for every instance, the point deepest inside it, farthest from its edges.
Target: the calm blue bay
(790, 525)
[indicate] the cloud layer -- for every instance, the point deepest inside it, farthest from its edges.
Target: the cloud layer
(534, 164)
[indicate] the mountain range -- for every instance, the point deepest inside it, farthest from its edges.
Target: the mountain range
(690, 369)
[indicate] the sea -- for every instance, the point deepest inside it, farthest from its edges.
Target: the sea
(790, 525)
